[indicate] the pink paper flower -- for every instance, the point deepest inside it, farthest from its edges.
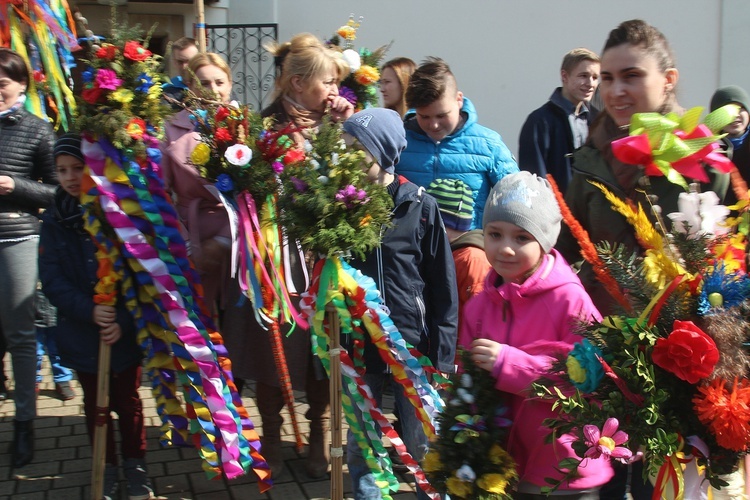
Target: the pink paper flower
(107, 79)
(607, 441)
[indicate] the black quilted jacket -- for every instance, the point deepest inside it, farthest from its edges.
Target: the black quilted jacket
(26, 155)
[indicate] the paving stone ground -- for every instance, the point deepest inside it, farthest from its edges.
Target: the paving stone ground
(61, 468)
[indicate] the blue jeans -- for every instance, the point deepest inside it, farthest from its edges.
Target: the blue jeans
(45, 342)
(18, 276)
(363, 482)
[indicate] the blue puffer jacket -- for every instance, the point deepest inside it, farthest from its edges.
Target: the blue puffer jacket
(67, 269)
(474, 154)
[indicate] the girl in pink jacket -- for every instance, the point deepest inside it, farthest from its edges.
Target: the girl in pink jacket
(523, 320)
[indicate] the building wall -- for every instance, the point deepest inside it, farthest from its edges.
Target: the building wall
(506, 54)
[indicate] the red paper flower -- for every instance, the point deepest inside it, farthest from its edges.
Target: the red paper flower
(39, 76)
(107, 51)
(92, 94)
(294, 155)
(222, 135)
(221, 114)
(726, 413)
(688, 352)
(135, 51)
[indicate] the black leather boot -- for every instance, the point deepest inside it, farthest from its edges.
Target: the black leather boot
(23, 443)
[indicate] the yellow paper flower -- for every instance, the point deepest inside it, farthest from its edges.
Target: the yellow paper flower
(493, 483)
(200, 154)
(498, 455)
(347, 32)
(575, 371)
(461, 489)
(122, 95)
(366, 75)
(431, 461)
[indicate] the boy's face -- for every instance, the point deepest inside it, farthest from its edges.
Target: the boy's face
(181, 58)
(372, 167)
(440, 119)
(512, 252)
(70, 173)
(580, 84)
(739, 125)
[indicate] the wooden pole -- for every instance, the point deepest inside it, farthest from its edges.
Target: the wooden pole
(102, 415)
(200, 26)
(337, 451)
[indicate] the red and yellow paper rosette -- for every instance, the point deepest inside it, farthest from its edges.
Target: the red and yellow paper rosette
(184, 347)
(359, 307)
(676, 147)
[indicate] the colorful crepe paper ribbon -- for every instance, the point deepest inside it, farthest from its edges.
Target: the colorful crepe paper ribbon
(676, 147)
(262, 280)
(130, 199)
(360, 309)
(43, 34)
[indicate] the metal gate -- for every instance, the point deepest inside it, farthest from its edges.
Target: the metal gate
(253, 69)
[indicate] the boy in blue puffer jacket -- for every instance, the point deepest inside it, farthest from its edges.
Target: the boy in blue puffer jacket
(68, 271)
(444, 140)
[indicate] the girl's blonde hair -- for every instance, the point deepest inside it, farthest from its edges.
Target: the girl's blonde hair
(304, 56)
(207, 59)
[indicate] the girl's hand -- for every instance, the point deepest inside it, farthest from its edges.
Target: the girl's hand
(7, 184)
(340, 108)
(484, 353)
(111, 334)
(104, 315)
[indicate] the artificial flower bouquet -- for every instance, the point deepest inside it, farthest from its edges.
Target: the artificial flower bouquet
(240, 151)
(327, 203)
(121, 94)
(467, 459)
(360, 87)
(666, 381)
(142, 254)
(329, 206)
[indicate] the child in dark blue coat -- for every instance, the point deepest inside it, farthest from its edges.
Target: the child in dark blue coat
(415, 273)
(67, 268)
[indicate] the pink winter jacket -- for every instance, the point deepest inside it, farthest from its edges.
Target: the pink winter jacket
(534, 322)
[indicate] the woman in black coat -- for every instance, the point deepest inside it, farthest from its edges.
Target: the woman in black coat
(27, 178)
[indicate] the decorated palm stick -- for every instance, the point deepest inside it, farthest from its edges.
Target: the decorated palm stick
(337, 452)
(279, 358)
(100, 423)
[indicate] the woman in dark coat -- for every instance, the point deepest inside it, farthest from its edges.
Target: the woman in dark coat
(27, 178)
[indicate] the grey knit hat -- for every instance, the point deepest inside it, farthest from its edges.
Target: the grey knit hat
(728, 95)
(527, 201)
(381, 131)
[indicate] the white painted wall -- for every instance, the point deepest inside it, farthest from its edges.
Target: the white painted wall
(506, 54)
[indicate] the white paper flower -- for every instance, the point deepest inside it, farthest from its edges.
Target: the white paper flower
(307, 146)
(323, 179)
(334, 158)
(466, 380)
(314, 163)
(352, 59)
(699, 214)
(466, 473)
(239, 155)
